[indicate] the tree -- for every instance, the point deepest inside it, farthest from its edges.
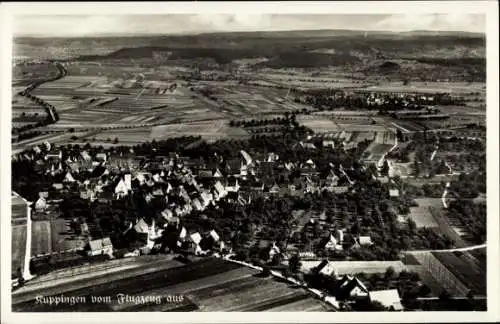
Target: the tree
(294, 263)
(116, 140)
(412, 226)
(385, 168)
(444, 295)
(266, 272)
(389, 273)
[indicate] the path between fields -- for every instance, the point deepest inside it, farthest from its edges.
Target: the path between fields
(462, 249)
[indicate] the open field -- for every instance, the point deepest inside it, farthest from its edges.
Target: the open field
(211, 284)
(353, 267)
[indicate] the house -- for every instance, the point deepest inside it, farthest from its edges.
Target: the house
(272, 157)
(307, 255)
(328, 143)
(127, 178)
(57, 155)
(84, 228)
(275, 250)
(197, 205)
(275, 189)
(350, 287)
(393, 193)
(214, 235)
(246, 157)
(310, 146)
(325, 268)
(100, 247)
(389, 298)
(332, 179)
(217, 173)
(101, 156)
(85, 155)
(58, 186)
(195, 239)
(362, 241)
(141, 226)
(69, 177)
(332, 244)
(121, 189)
(220, 190)
(205, 174)
(40, 204)
(232, 185)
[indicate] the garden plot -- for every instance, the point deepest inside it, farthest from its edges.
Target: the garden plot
(19, 234)
(41, 242)
(421, 215)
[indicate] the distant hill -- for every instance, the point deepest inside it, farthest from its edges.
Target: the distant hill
(464, 52)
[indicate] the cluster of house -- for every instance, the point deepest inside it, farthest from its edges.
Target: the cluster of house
(181, 184)
(350, 289)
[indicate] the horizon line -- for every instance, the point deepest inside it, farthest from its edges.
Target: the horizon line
(100, 35)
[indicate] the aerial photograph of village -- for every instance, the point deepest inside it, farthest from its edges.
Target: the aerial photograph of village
(300, 163)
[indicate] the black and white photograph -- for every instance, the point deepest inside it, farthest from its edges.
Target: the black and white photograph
(247, 161)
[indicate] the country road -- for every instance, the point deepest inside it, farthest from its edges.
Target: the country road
(462, 249)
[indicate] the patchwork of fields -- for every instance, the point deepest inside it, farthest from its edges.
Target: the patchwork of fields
(203, 285)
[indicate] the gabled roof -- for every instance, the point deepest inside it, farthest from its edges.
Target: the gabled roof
(196, 238)
(183, 233)
(365, 240)
(141, 226)
(217, 174)
(214, 235)
(326, 268)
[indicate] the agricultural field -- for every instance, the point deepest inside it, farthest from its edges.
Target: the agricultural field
(25, 111)
(206, 285)
(209, 130)
(319, 124)
(421, 215)
(454, 88)
(23, 75)
(353, 267)
(249, 100)
(465, 268)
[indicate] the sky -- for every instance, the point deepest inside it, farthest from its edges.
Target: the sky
(94, 25)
